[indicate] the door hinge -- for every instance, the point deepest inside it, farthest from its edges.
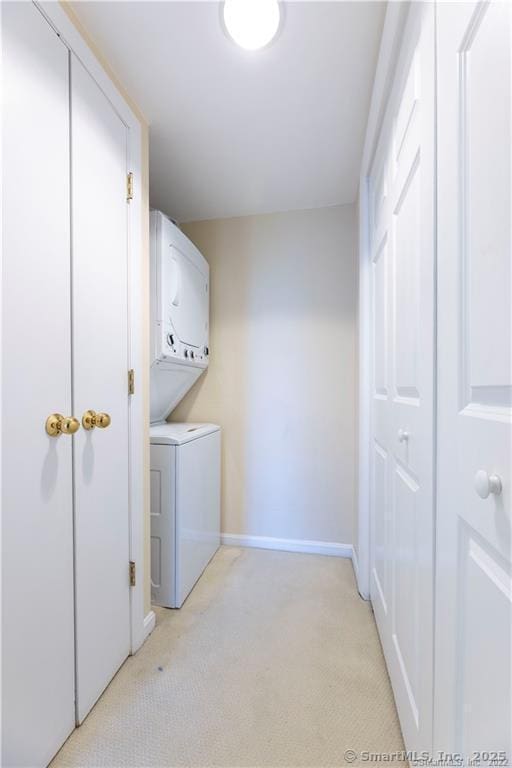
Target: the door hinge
(132, 573)
(129, 187)
(131, 381)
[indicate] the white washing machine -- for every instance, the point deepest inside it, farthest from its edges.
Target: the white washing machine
(185, 507)
(185, 458)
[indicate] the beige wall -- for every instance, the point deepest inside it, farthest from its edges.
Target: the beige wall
(281, 380)
(142, 376)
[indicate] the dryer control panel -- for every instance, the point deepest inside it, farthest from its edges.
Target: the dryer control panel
(180, 296)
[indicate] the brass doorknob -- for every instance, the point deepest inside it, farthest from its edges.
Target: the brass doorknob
(103, 420)
(56, 425)
(91, 419)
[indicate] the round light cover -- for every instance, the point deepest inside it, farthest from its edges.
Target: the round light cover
(252, 23)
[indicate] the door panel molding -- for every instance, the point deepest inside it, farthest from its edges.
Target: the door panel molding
(402, 422)
(473, 683)
(483, 121)
(372, 197)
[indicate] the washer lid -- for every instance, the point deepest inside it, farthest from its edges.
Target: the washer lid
(177, 434)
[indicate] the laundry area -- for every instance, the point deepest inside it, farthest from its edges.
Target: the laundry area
(256, 383)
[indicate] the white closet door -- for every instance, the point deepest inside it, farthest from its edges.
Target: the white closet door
(474, 589)
(37, 535)
(402, 202)
(100, 383)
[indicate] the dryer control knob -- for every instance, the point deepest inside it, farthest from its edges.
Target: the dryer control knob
(192, 353)
(186, 353)
(206, 350)
(170, 339)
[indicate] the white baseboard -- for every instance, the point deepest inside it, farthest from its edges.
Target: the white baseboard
(288, 545)
(149, 623)
(355, 564)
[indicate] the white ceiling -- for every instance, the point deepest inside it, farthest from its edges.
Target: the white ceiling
(236, 132)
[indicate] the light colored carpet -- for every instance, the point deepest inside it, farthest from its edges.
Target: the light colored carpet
(274, 660)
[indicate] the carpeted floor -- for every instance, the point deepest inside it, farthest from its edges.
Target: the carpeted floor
(274, 660)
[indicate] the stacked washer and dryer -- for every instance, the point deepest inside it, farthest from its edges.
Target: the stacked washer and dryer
(185, 458)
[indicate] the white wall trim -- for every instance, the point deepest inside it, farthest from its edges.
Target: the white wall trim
(149, 623)
(355, 565)
(334, 549)
(70, 35)
(394, 23)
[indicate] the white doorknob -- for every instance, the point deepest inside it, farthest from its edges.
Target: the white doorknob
(486, 484)
(403, 436)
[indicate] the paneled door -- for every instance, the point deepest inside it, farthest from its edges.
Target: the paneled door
(473, 643)
(100, 386)
(402, 472)
(37, 516)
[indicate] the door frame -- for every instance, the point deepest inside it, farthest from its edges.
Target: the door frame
(140, 624)
(392, 33)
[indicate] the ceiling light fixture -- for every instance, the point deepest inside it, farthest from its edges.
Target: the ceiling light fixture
(252, 24)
